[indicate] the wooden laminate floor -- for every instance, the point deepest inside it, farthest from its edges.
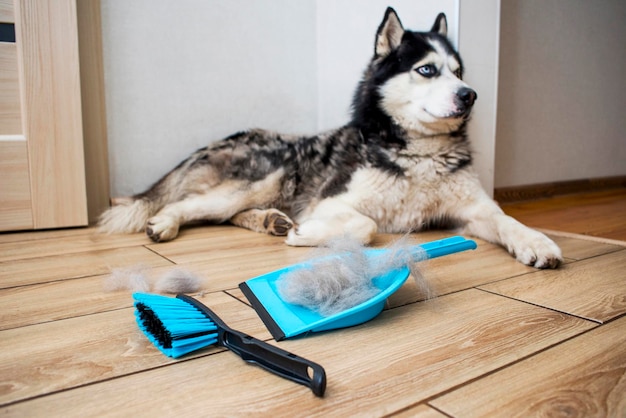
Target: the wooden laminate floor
(498, 338)
(600, 214)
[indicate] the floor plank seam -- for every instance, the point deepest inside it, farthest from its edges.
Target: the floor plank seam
(438, 410)
(236, 298)
(64, 253)
(608, 252)
(147, 247)
(432, 298)
(52, 282)
(584, 237)
(219, 350)
(505, 366)
(617, 318)
(31, 235)
(67, 319)
(597, 322)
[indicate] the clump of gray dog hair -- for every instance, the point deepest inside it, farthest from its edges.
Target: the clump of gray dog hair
(128, 278)
(137, 279)
(178, 281)
(339, 276)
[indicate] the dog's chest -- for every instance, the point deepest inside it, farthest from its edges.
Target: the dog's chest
(398, 203)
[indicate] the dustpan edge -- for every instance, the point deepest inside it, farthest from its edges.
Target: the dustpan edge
(271, 325)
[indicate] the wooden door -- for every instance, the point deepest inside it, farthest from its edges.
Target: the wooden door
(42, 169)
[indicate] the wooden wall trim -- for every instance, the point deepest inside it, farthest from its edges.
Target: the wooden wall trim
(15, 198)
(6, 11)
(47, 44)
(10, 110)
(545, 190)
(93, 107)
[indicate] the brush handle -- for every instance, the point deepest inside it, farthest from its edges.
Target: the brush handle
(269, 357)
(276, 360)
(442, 247)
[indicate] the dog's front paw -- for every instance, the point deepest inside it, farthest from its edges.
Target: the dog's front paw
(277, 223)
(535, 249)
(162, 228)
(309, 234)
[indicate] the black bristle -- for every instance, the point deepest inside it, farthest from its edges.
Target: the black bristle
(154, 325)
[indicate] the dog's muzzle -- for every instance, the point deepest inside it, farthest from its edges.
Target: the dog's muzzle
(465, 99)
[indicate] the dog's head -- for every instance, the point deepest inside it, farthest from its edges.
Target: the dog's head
(416, 78)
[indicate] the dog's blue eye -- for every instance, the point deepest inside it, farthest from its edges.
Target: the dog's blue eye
(428, 70)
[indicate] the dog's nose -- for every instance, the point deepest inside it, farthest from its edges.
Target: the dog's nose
(467, 96)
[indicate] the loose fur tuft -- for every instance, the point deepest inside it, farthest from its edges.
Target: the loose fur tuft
(138, 279)
(130, 278)
(178, 281)
(340, 276)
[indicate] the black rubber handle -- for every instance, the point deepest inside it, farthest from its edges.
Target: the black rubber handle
(270, 357)
(276, 360)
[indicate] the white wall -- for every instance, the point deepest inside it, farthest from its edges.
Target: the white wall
(479, 47)
(179, 74)
(562, 91)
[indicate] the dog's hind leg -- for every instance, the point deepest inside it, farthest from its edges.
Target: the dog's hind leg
(268, 221)
(217, 205)
(332, 218)
(165, 224)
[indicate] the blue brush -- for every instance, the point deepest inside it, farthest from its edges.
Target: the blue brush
(180, 325)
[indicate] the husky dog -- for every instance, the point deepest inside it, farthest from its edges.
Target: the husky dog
(403, 163)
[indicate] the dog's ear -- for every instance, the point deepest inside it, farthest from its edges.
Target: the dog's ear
(441, 25)
(389, 34)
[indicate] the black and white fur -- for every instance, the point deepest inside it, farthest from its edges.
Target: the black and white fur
(403, 163)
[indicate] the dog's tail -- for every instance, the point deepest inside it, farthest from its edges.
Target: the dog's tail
(127, 215)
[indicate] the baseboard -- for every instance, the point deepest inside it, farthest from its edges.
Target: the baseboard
(545, 190)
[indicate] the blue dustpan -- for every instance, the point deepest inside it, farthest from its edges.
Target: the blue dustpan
(285, 320)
